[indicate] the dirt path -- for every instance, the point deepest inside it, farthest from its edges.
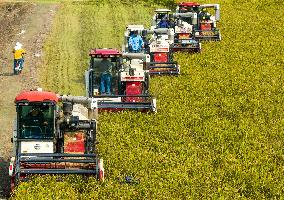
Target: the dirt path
(28, 23)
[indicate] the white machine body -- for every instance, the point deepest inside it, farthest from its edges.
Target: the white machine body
(160, 45)
(134, 27)
(139, 72)
(36, 147)
(137, 76)
(184, 28)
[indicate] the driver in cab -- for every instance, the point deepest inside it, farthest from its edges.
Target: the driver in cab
(35, 117)
(105, 68)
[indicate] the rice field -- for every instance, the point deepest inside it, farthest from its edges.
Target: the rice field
(219, 130)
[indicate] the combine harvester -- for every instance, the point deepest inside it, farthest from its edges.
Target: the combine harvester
(54, 135)
(158, 52)
(129, 84)
(184, 40)
(182, 32)
(205, 27)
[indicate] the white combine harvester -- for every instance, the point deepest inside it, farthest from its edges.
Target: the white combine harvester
(158, 51)
(181, 30)
(205, 25)
(129, 85)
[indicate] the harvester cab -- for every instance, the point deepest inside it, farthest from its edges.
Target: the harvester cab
(160, 52)
(185, 7)
(159, 15)
(206, 26)
(54, 135)
(129, 81)
(130, 29)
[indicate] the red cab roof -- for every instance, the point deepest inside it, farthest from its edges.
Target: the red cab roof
(36, 96)
(189, 4)
(104, 52)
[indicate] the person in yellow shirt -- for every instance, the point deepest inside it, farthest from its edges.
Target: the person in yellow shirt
(18, 55)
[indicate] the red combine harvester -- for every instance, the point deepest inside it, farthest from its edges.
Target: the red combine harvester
(54, 135)
(179, 32)
(184, 39)
(129, 81)
(206, 26)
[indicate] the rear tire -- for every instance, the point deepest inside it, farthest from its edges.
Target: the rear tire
(12, 184)
(101, 174)
(147, 82)
(15, 71)
(219, 36)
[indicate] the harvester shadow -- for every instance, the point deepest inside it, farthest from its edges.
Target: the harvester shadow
(4, 178)
(80, 79)
(6, 74)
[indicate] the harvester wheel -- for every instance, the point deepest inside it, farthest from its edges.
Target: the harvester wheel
(147, 81)
(101, 175)
(96, 114)
(178, 69)
(219, 36)
(12, 184)
(200, 48)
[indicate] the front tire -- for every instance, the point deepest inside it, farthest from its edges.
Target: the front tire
(178, 69)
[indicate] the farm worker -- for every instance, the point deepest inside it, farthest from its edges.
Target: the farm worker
(135, 42)
(171, 23)
(34, 122)
(18, 55)
(164, 23)
(35, 117)
(105, 67)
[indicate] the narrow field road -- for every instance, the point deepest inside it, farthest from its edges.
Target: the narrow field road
(28, 23)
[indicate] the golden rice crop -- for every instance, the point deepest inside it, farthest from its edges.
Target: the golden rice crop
(218, 133)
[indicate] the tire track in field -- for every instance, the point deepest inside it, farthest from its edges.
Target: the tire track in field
(29, 24)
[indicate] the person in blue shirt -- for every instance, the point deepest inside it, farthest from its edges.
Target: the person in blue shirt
(135, 43)
(164, 23)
